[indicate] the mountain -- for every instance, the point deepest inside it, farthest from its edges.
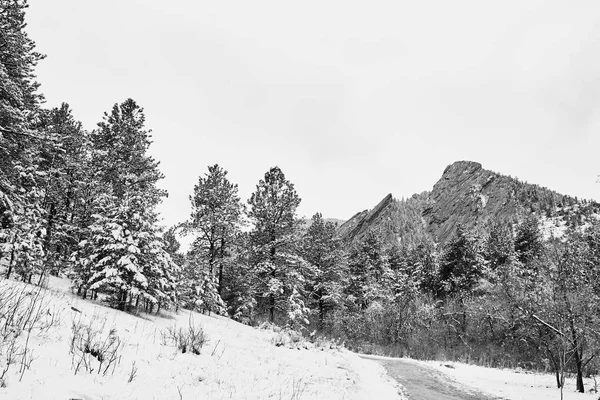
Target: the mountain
(397, 219)
(468, 195)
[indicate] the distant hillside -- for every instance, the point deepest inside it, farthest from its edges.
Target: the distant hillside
(469, 195)
(308, 222)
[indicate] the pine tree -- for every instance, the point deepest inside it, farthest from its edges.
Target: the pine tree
(239, 281)
(215, 219)
(422, 264)
(64, 156)
(322, 249)
(202, 291)
(274, 241)
(172, 245)
(499, 247)
(528, 240)
(121, 252)
(369, 272)
(462, 264)
(20, 193)
(120, 153)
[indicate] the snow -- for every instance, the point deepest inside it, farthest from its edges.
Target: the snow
(237, 362)
(554, 227)
(513, 385)
(507, 384)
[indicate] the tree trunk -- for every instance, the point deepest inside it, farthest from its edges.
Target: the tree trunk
(10, 262)
(577, 356)
(272, 308)
(220, 284)
(272, 296)
(48, 241)
(321, 310)
(211, 260)
(41, 277)
(579, 366)
(556, 369)
(123, 300)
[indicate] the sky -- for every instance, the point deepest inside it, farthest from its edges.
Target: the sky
(351, 99)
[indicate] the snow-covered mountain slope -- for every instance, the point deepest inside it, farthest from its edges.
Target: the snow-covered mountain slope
(236, 362)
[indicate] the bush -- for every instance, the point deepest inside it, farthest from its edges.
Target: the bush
(190, 339)
(89, 343)
(291, 339)
(24, 311)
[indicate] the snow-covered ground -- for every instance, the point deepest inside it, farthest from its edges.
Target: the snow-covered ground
(237, 362)
(554, 227)
(507, 384)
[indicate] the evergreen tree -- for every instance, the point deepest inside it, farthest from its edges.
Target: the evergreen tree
(462, 264)
(370, 270)
(21, 220)
(172, 245)
(204, 294)
(274, 241)
(322, 249)
(215, 219)
(239, 281)
(499, 245)
(64, 156)
(528, 240)
(120, 153)
(121, 252)
(423, 263)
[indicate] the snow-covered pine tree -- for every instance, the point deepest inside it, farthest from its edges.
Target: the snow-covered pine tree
(369, 271)
(20, 218)
(23, 240)
(275, 239)
(125, 256)
(215, 221)
(120, 154)
(322, 248)
(202, 285)
(239, 281)
(121, 252)
(463, 264)
(64, 155)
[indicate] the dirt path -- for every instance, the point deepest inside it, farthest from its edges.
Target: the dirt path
(422, 383)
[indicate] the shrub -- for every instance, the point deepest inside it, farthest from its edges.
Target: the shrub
(89, 343)
(290, 338)
(190, 339)
(24, 311)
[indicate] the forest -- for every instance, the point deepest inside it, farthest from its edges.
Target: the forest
(82, 204)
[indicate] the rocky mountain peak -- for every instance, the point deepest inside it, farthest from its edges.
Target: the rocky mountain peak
(461, 167)
(466, 194)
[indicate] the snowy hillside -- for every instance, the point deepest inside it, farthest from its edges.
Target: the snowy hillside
(141, 360)
(557, 225)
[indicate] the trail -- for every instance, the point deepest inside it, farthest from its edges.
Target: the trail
(422, 383)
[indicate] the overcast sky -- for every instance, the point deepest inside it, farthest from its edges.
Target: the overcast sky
(352, 99)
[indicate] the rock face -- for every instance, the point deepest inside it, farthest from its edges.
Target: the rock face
(395, 219)
(361, 222)
(466, 194)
